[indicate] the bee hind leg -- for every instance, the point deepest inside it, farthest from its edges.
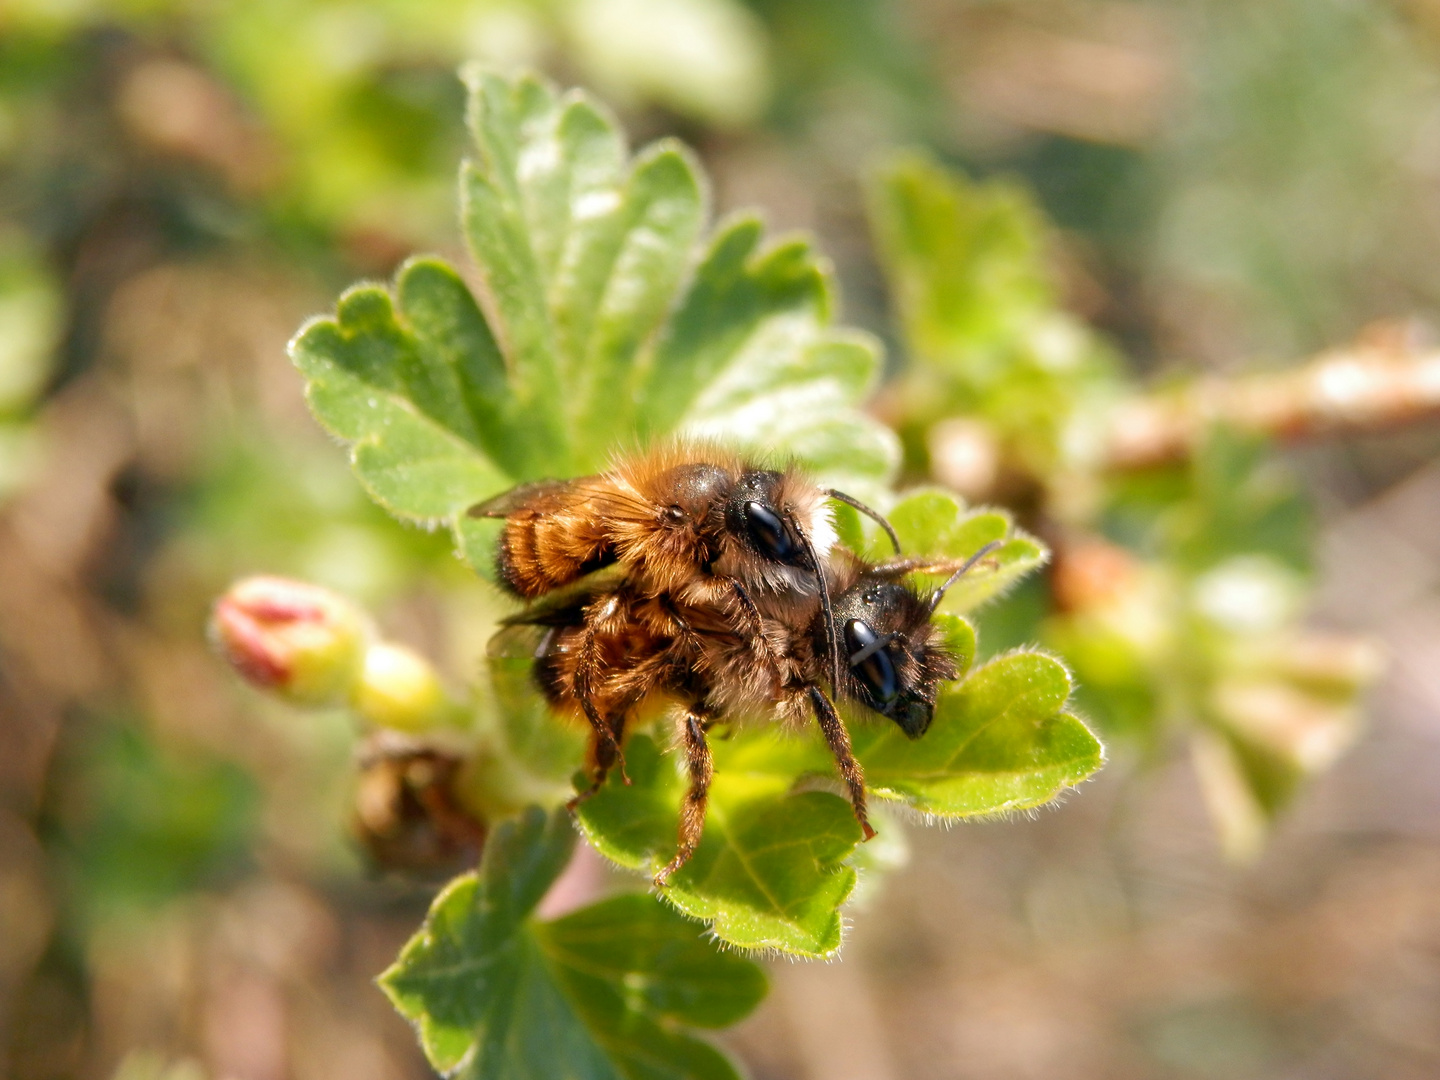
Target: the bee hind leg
(838, 740)
(701, 767)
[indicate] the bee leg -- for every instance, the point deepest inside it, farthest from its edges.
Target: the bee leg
(607, 744)
(839, 740)
(761, 644)
(692, 811)
(603, 755)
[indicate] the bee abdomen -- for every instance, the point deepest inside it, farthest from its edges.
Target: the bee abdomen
(541, 553)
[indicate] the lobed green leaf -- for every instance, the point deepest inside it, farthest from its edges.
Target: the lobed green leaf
(769, 872)
(592, 331)
(605, 992)
(1000, 741)
(934, 524)
(397, 393)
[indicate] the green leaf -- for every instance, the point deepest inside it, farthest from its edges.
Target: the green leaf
(769, 872)
(602, 993)
(398, 394)
(593, 330)
(965, 260)
(934, 525)
(524, 754)
(775, 864)
(1000, 741)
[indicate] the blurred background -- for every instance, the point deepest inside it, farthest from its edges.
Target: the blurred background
(1216, 189)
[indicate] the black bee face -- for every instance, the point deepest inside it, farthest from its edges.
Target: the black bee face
(754, 513)
(893, 665)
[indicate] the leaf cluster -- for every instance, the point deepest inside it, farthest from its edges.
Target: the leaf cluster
(599, 312)
(1178, 593)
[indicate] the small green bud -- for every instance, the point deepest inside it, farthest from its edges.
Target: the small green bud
(399, 689)
(301, 642)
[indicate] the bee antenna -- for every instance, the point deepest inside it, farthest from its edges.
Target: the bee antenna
(859, 656)
(958, 574)
(873, 514)
(830, 635)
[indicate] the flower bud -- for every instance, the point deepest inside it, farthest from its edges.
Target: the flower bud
(299, 641)
(399, 689)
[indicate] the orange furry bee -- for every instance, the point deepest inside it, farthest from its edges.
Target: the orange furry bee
(691, 521)
(615, 648)
(699, 526)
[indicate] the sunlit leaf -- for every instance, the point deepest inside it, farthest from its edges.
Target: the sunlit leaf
(769, 873)
(592, 330)
(933, 524)
(1000, 741)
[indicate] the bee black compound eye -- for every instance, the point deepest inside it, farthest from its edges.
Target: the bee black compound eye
(874, 668)
(769, 534)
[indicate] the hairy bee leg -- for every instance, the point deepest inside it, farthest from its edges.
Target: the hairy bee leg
(692, 811)
(586, 667)
(604, 758)
(839, 740)
(760, 642)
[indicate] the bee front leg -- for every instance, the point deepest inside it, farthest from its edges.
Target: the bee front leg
(839, 741)
(692, 811)
(762, 645)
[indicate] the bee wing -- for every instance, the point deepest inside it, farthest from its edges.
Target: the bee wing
(566, 606)
(522, 497)
(517, 641)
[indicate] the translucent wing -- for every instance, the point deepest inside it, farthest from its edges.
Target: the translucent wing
(532, 496)
(566, 606)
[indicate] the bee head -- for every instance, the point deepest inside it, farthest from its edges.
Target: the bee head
(693, 490)
(892, 659)
(780, 518)
(757, 515)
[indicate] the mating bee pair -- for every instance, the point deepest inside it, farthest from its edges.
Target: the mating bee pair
(727, 598)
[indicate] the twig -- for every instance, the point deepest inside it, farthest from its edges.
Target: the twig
(1382, 382)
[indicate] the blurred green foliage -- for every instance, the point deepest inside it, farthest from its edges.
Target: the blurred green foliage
(1180, 586)
(140, 823)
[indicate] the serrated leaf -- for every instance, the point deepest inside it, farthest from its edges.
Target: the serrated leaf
(593, 332)
(396, 393)
(603, 993)
(769, 872)
(1000, 741)
(935, 525)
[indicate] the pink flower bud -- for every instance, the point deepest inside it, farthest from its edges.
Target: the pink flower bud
(299, 641)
